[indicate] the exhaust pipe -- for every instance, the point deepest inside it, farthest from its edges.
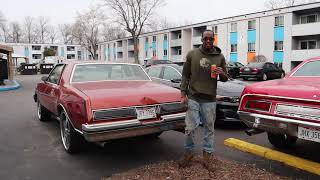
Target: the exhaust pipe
(251, 132)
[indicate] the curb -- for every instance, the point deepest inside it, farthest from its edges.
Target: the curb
(9, 88)
(287, 159)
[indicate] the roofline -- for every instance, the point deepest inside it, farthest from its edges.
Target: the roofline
(204, 22)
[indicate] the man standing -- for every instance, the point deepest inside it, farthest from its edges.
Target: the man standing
(198, 91)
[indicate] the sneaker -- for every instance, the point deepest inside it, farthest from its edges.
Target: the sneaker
(186, 159)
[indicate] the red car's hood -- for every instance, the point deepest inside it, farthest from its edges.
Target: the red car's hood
(303, 88)
(111, 94)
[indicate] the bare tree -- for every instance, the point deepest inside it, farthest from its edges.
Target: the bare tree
(52, 34)
(86, 29)
(43, 24)
(275, 4)
(110, 32)
(159, 24)
(133, 15)
(3, 27)
(66, 33)
(15, 32)
(29, 29)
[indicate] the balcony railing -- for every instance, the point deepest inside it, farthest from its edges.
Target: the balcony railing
(306, 29)
(176, 58)
(300, 55)
(175, 42)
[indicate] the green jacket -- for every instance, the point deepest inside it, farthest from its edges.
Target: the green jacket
(196, 82)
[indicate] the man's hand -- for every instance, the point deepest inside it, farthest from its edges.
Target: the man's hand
(218, 70)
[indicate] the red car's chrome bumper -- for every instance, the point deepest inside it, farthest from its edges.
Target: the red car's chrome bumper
(117, 130)
(274, 124)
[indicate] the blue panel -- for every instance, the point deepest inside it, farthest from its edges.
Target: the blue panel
(233, 38)
(165, 57)
(154, 45)
(26, 52)
(165, 44)
(62, 51)
(233, 57)
(251, 36)
(277, 56)
(146, 47)
(278, 33)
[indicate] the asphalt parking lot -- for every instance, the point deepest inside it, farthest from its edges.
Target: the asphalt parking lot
(31, 149)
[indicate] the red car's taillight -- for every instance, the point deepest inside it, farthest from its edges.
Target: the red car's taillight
(241, 69)
(255, 70)
(258, 105)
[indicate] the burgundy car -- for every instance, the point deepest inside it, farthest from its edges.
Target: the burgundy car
(99, 102)
(287, 109)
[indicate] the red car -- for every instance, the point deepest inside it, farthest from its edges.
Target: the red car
(99, 102)
(287, 109)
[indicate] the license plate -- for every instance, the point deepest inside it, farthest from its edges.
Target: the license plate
(247, 69)
(309, 134)
(146, 113)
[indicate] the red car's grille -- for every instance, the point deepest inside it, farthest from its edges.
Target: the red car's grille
(304, 112)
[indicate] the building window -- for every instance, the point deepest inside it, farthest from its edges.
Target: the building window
(165, 37)
(70, 48)
(179, 36)
(308, 19)
(278, 45)
(154, 53)
(179, 52)
(215, 29)
(234, 48)
(279, 21)
(36, 48)
(36, 56)
(252, 25)
(146, 54)
(310, 44)
(147, 39)
(71, 56)
(251, 47)
(154, 38)
(165, 52)
(233, 27)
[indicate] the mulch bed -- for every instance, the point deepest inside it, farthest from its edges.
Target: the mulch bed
(223, 169)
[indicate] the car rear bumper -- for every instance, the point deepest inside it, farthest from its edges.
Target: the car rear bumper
(249, 75)
(132, 128)
(274, 124)
(227, 112)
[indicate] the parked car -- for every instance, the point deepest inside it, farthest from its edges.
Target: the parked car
(262, 71)
(152, 62)
(228, 93)
(287, 109)
(99, 102)
(234, 69)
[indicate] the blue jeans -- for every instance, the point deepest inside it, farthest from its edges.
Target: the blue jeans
(206, 113)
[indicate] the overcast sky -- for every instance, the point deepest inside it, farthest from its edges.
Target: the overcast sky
(178, 11)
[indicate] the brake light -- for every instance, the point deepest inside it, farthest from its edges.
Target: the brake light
(255, 70)
(258, 105)
(241, 69)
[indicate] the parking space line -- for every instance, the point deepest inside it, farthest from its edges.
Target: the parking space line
(287, 159)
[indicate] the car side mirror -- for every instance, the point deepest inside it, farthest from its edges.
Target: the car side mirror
(44, 78)
(176, 80)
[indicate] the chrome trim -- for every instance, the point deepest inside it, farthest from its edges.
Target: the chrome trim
(124, 107)
(305, 112)
(81, 64)
(129, 123)
(248, 75)
(69, 119)
(281, 119)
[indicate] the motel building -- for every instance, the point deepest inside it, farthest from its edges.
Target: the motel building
(285, 36)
